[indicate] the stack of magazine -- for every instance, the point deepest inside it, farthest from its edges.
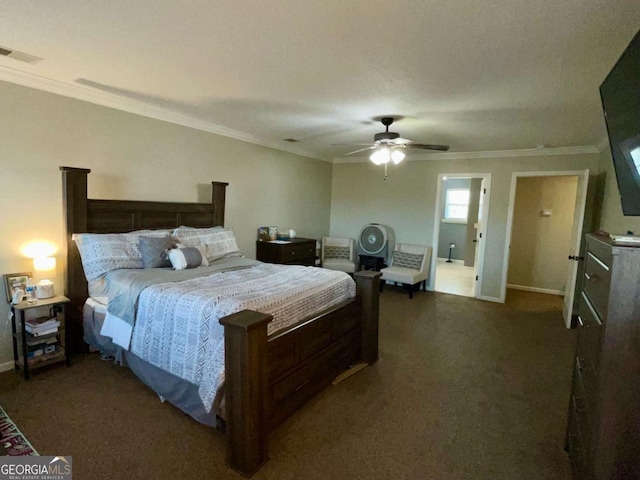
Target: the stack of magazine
(42, 337)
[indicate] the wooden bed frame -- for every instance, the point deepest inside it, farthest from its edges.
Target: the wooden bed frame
(266, 379)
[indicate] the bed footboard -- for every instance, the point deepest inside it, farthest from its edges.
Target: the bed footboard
(266, 380)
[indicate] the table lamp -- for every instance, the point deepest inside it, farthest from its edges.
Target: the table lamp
(44, 269)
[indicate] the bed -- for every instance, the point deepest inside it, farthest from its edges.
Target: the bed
(266, 377)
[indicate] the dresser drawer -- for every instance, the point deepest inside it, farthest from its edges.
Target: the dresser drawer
(585, 388)
(597, 280)
(576, 447)
(589, 334)
(295, 252)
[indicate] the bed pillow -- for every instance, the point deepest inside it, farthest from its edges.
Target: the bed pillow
(407, 260)
(153, 251)
(103, 252)
(183, 258)
(218, 242)
(205, 262)
(188, 232)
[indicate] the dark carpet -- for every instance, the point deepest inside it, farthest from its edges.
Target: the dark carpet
(464, 389)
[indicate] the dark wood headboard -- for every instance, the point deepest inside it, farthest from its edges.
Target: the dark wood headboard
(84, 215)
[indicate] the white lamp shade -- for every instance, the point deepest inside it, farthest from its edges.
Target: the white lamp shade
(45, 267)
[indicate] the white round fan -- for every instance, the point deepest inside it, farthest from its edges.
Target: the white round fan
(375, 240)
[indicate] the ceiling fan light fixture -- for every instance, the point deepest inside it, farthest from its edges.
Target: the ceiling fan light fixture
(381, 156)
(397, 156)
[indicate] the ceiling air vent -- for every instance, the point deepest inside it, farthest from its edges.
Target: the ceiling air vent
(20, 56)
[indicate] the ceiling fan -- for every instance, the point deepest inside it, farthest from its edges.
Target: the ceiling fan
(389, 146)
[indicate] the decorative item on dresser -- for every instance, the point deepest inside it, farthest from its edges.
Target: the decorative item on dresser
(266, 377)
(603, 433)
(295, 251)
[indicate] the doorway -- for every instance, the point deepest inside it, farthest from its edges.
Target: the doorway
(544, 233)
(462, 208)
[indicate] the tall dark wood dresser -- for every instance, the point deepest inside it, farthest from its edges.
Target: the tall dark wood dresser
(603, 433)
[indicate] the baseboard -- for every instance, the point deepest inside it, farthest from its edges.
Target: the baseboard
(535, 289)
(5, 367)
(490, 299)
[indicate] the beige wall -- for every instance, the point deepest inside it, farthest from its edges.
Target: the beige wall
(540, 244)
(134, 157)
(612, 220)
(406, 200)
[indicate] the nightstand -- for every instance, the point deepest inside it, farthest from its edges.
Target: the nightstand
(29, 351)
(297, 251)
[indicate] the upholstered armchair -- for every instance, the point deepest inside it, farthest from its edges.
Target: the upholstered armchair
(409, 266)
(338, 254)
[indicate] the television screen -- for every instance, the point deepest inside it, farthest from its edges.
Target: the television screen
(620, 94)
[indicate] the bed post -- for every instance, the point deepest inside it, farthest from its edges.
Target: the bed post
(367, 288)
(218, 198)
(245, 337)
(74, 206)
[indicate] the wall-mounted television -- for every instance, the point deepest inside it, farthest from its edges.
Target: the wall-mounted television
(620, 94)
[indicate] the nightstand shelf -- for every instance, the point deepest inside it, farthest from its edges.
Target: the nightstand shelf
(23, 342)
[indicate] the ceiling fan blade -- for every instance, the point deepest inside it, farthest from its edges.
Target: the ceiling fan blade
(361, 150)
(350, 144)
(424, 146)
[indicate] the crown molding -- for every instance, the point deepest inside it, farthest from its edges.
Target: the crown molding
(80, 92)
(527, 152)
(603, 144)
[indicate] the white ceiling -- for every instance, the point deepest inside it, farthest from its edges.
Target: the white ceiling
(477, 75)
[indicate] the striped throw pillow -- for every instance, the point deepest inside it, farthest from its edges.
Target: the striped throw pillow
(336, 252)
(407, 260)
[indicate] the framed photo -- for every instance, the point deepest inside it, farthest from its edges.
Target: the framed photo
(263, 234)
(14, 281)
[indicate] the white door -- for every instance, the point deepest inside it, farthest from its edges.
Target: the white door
(576, 238)
(479, 237)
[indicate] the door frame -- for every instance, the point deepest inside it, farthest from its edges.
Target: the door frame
(581, 202)
(479, 264)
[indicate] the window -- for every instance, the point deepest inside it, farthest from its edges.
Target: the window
(456, 204)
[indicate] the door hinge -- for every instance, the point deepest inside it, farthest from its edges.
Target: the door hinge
(484, 190)
(476, 278)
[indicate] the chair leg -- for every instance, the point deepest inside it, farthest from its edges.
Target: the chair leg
(409, 288)
(424, 285)
(382, 283)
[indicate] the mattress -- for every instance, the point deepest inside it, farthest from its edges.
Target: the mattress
(176, 324)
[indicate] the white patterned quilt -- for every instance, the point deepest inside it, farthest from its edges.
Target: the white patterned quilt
(177, 327)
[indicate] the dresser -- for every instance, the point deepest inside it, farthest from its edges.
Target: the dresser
(297, 251)
(603, 432)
